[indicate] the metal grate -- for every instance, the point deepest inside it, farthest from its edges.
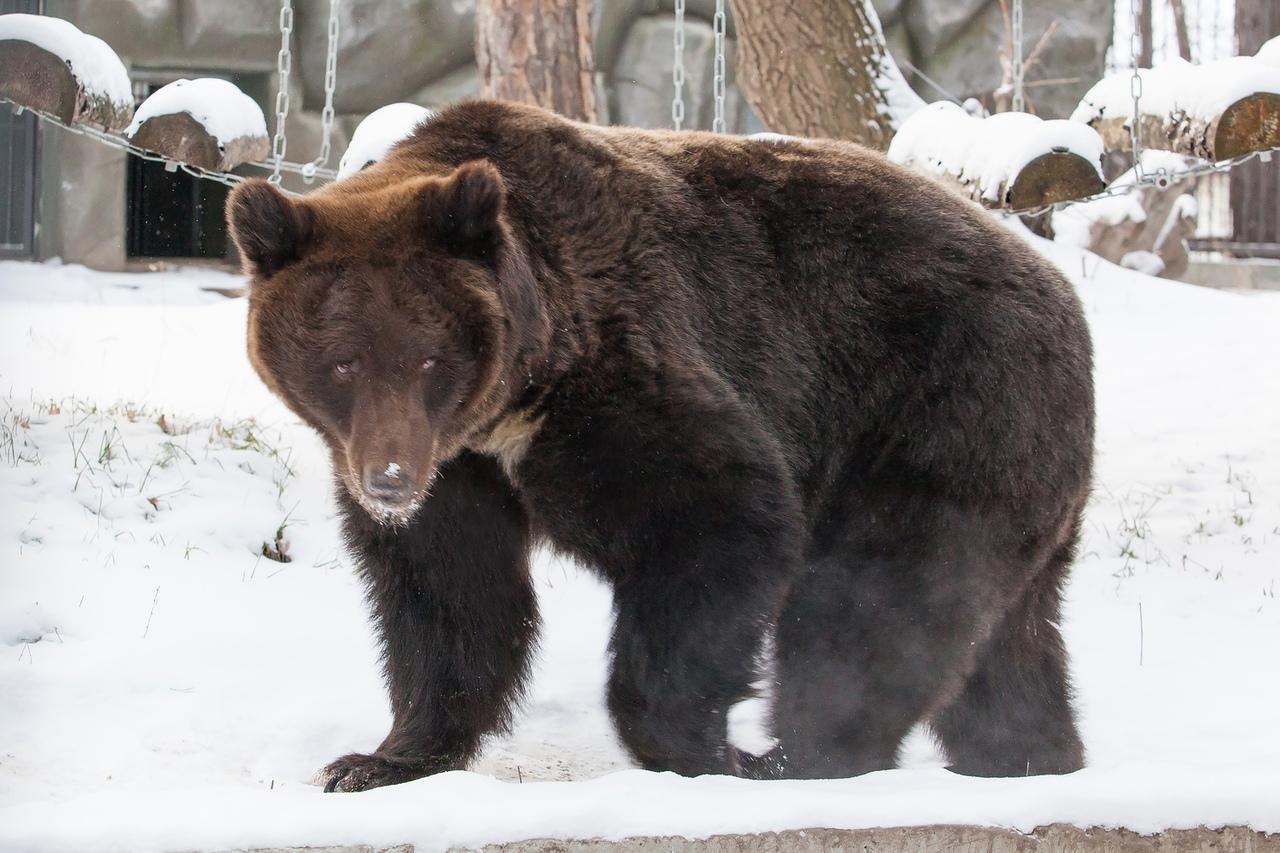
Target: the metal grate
(19, 168)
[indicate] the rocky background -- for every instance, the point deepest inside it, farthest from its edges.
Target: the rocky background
(421, 50)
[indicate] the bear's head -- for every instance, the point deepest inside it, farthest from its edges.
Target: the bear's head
(395, 317)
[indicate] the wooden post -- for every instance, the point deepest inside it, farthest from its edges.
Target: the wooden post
(1255, 186)
(538, 52)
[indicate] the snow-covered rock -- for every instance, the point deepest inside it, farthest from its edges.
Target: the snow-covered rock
(90, 59)
(377, 132)
(217, 105)
(987, 153)
(50, 65)
(205, 122)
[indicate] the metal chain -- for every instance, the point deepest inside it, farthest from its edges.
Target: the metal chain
(719, 24)
(330, 83)
(284, 64)
(677, 70)
(1160, 179)
(1018, 104)
(1135, 85)
(122, 144)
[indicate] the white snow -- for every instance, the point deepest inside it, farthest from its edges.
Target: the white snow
(901, 99)
(166, 686)
(377, 132)
(217, 105)
(1177, 87)
(990, 152)
(1147, 263)
(1269, 53)
(91, 59)
(53, 281)
(779, 138)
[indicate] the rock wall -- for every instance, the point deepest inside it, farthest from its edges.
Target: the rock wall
(422, 50)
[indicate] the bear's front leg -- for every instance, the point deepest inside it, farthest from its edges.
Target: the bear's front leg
(456, 613)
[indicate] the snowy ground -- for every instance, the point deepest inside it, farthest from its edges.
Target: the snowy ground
(167, 684)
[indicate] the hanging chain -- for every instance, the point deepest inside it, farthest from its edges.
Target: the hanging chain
(330, 83)
(1135, 85)
(677, 70)
(1016, 37)
(719, 23)
(284, 63)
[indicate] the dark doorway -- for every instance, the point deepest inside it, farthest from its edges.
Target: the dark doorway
(171, 214)
(19, 168)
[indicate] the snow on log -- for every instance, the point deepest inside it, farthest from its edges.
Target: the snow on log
(377, 132)
(1010, 161)
(1145, 229)
(1269, 53)
(1215, 111)
(50, 65)
(205, 122)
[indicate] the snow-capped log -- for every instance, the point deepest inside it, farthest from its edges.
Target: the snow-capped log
(1146, 229)
(205, 122)
(1008, 161)
(50, 65)
(1215, 111)
(377, 132)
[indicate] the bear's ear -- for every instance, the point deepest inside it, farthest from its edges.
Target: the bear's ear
(462, 212)
(270, 229)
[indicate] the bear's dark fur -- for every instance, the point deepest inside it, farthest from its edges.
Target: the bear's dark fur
(760, 387)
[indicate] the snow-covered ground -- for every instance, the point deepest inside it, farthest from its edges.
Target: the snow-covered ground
(168, 683)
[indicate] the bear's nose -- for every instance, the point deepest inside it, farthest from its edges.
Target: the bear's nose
(392, 483)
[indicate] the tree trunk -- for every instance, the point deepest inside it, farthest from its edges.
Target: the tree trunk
(538, 52)
(820, 75)
(1145, 48)
(1180, 29)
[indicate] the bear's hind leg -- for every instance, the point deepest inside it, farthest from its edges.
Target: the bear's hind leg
(1014, 716)
(857, 667)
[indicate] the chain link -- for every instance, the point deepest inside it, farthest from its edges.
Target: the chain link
(677, 70)
(122, 144)
(330, 83)
(284, 64)
(1019, 102)
(719, 24)
(1135, 84)
(1160, 179)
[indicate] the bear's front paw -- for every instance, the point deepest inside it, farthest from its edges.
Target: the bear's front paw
(357, 772)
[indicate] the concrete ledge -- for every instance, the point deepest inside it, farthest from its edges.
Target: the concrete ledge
(1057, 838)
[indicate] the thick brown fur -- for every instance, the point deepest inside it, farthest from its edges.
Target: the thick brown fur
(759, 387)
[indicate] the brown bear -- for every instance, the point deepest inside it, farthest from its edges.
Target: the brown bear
(762, 388)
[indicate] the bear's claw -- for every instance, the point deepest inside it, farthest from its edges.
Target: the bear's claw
(358, 772)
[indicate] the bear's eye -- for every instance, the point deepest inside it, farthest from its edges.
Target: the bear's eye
(344, 370)
(427, 364)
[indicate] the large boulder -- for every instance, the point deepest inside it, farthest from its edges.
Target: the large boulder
(957, 44)
(142, 32)
(640, 83)
(240, 33)
(387, 50)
